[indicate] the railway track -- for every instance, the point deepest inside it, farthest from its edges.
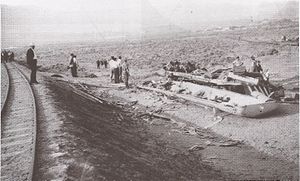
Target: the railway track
(18, 128)
(4, 85)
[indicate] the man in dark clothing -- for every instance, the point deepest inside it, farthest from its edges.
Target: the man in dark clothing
(259, 67)
(253, 67)
(11, 56)
(105, 63)
(126, 74)
(5, 56)
(2, 57)
(32, 63)
(98, 64)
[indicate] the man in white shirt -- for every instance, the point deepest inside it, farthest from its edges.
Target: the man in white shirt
(114, 69)
(119, 61)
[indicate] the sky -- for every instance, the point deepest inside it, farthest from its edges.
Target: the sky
(131, 16)
(76, 4)
(179, 12)
(166, 7)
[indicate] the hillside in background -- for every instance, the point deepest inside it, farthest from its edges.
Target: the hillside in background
(21, 25)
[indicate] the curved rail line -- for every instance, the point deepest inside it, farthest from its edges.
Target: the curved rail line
(18, 128)
(4, 85)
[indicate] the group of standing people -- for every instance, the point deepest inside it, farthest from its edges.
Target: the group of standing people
(119, 70)
(256, 66)
(255, 70)
(7, 56)
(102, 63)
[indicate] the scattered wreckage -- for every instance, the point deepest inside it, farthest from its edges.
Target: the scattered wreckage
(232, 90)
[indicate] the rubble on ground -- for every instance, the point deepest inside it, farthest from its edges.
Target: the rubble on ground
(272, 51)
(57, 75)
(215, 76)
(186, 67)
(92, 75)
(58, 68)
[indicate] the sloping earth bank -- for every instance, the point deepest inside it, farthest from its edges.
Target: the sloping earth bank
(88, 140)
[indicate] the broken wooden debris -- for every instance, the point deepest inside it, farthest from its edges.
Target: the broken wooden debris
(249, 80)
(185, 97)
(230, 144)
(190, 131)
(57, 75)
(209, 143)
(151, 114)
(196, 148)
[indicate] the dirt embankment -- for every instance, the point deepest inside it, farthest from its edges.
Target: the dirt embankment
(121, 140)
(80, 138)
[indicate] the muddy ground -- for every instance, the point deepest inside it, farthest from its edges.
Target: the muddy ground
(104, 142)
(262, 148)
(111, 139)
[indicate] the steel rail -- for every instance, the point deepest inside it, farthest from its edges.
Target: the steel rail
(33, 121)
